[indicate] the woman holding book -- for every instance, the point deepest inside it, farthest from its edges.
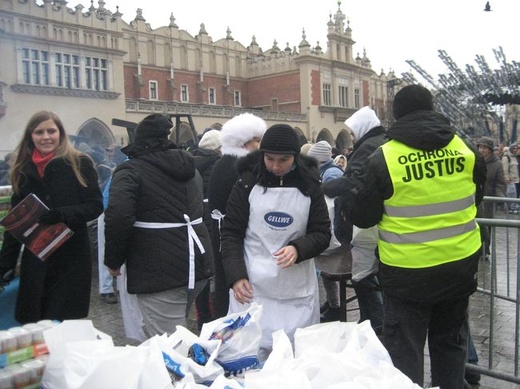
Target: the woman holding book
(65, 180)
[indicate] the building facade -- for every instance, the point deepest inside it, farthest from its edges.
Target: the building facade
(97, 71)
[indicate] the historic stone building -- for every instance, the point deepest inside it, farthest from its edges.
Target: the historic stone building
(99, 72)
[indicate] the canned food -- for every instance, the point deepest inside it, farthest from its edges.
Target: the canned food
(6, 379)
(21, 376)
(23, 337)
(36, 368)
(8, 342)
(36, 331)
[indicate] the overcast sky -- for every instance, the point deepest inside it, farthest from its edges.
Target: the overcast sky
(391, 31)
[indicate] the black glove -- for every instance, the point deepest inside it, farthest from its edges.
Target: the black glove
(52, 217)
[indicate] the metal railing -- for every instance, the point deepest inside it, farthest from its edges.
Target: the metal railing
(498, 295)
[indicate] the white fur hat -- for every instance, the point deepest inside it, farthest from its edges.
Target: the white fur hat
(210, 140)
(362, 121)
(239, 130)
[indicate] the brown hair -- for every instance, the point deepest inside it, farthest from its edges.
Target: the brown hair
(25, 149)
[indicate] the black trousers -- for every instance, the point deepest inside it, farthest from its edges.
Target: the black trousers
(408, 324)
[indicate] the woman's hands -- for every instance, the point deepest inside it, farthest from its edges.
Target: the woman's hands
(114, 272)
(286, 256)
(242, 291)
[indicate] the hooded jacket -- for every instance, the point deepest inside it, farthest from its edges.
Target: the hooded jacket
(423, 130)
(356, 166)
(158, 184)
(251, 171)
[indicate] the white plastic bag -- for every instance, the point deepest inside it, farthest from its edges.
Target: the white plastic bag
(241, 335)
(177, 346)
(83, 358)
(330, 355)
(334, 242)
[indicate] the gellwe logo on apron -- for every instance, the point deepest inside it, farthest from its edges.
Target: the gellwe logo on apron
(278, 220)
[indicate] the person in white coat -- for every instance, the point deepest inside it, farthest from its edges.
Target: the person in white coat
(368, 135)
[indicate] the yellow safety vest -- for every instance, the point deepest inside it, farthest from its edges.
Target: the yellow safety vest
(430, 218)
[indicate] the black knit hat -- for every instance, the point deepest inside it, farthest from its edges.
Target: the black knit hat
(410, 99)
(280, 139)
(153, 126)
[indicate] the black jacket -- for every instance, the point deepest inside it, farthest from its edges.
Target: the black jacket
(251, 171)
(58, 288)
(357, 163)
(158, 184)
(424, 130)
(205, 160)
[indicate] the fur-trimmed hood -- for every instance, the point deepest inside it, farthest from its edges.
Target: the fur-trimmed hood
(239, 130)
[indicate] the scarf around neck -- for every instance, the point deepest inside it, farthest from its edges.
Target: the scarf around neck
(41, 160)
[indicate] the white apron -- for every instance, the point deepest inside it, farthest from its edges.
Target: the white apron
(289, 296)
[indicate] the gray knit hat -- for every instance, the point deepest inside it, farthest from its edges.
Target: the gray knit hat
(322, 151)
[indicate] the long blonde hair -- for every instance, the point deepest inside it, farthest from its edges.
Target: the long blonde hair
(25, 148)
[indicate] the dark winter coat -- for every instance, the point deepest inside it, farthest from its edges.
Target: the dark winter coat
(357, 162)
(495, 184)
(223, 177)
(251, 170)
(58, 288)
(205, 159)
(424, 130)
(158, 184)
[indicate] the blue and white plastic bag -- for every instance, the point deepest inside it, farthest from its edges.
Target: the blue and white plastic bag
(240, 334)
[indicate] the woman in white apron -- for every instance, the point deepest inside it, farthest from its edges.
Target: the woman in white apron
(276, 223)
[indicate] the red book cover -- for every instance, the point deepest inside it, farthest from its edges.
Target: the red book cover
(41, 239)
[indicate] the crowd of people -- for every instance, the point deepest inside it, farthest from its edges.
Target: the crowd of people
(241, 217)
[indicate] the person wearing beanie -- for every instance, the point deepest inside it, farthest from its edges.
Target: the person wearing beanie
(305, 148)
(411, 98)
(239, 136)
(422, 189)
(155, 198)
(210, 140)
(276, 223)
(155, 126)
(206, 156)
(368, 135)
(322, 152)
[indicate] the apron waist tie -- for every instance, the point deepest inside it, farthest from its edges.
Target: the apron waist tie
(192, 238)
(218, 216)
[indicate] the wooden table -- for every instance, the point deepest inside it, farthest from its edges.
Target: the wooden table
(337, 266)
